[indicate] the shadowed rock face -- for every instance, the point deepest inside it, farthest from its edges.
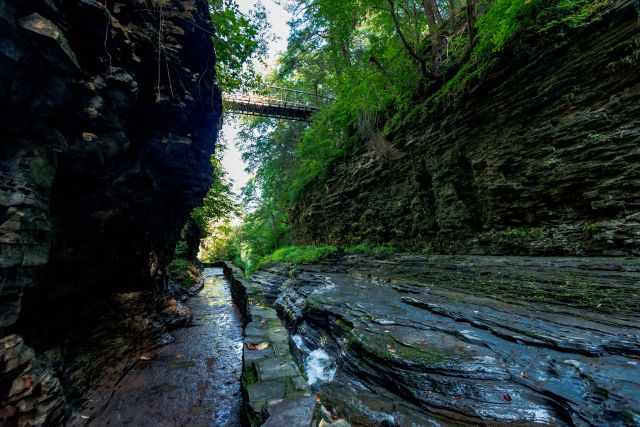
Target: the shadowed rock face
(107, 124)
(539, 158)
(453, 340)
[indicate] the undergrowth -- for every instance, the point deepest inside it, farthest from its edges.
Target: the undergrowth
(182, 270)
(297, 255)
(495, 30)
(371, 249)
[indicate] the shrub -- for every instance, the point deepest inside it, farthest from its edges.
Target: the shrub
(298, 255)
(183, 272)
(374, 250)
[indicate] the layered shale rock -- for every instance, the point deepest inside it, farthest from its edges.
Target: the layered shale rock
(412, 340)
(541, 157)
(109, 116)
(274, 390)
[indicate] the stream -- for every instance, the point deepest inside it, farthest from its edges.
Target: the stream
(194, 381)
(437, 341)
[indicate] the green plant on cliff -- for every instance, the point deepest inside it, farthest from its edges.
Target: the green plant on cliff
(183, 272)
(298, 255)
(220, 202)
(217, 208)
(371, 249)
(382, 66)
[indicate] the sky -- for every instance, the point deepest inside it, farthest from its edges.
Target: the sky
(279, 33)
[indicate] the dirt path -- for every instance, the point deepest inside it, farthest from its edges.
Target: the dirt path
(193, 382)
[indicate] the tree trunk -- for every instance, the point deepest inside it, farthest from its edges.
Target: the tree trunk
(471, 20)
(411, 50)
(431, 11)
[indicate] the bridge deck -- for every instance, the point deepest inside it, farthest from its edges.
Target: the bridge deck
(292, 106)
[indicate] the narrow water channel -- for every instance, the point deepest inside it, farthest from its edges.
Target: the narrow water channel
(195, 381)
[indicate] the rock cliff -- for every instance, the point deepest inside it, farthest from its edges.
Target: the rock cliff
(110, 113)
(461, 340)
(541, 157)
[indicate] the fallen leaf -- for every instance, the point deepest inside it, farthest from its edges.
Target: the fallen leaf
(260, 346)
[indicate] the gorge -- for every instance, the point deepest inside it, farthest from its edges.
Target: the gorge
(464, 252)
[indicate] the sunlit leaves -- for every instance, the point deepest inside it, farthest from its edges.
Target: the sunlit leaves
(239, 41)
(219, 203)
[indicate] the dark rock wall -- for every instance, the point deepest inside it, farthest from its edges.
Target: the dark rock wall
(110, 113)
(542, 157)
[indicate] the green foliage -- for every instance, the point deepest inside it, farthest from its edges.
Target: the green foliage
(502, 20)
(568, 13)
(383, 65)
(239, 42)
(298, 255)
(181, 249)
(217, 245)
(183, 272)
(496, 27)
(506, 17)
(219, 204)
(373, 250)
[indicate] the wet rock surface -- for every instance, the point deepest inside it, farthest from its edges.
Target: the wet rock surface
(34, 395)
(275, 392)
(466, 340)
(194, 381)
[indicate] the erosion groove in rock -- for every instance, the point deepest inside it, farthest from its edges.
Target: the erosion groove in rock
(541, 158)
(275, 392)
(467, 340)
(102, 160)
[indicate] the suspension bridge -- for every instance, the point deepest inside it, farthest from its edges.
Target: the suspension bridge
(274, 102)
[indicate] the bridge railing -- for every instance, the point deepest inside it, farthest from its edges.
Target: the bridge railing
(275, 102)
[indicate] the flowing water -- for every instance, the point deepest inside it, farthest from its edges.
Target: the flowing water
(195, 381)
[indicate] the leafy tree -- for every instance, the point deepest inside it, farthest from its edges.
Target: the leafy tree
(239, 41)
(379, 64)
(220, 202)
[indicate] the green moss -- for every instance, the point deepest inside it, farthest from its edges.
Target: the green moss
(495, 29)
(250, 376)
(594, 137)
(591, 229)
(569, 13)
(387, 347)
(551, 162)
(570, 291)
(422, 356)
(345, 326)
(371, 249)
(297, 255)
(184, 272)
(522, 233)
(181, 249)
